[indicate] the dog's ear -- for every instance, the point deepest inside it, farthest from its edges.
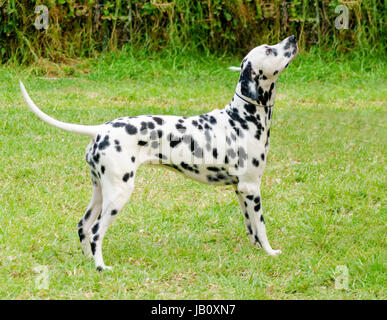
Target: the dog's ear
(248, 85)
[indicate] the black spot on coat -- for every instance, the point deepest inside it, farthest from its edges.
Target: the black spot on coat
(95, 228)
(248, 86)
(158, 120)
(130, 129)
(104, 143)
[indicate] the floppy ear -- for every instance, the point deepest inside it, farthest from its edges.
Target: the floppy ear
(248, 85)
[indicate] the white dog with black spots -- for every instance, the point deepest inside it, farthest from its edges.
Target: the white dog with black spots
(222, 147)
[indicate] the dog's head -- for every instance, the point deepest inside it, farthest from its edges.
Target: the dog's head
(262, 65)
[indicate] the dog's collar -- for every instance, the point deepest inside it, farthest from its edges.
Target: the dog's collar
(257, 104)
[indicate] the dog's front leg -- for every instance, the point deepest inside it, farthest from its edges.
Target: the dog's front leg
(250, 200)
(246, 218)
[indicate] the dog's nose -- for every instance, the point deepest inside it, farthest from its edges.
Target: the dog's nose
(293, 39)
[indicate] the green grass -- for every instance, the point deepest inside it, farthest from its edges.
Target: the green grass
(323, 191)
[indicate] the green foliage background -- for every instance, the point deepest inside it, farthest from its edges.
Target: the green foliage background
(83, 28)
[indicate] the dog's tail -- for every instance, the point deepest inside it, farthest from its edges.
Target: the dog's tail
(234, 68)
(77, 128)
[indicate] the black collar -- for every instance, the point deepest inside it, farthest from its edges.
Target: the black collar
(260, 105)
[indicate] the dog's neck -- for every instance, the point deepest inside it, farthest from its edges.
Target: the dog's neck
(265, 92)
(253, 114)
(247, 106)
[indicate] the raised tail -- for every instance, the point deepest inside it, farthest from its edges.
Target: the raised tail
(76, 128)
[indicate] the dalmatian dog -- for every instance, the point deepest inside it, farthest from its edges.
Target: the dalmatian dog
(222, 147)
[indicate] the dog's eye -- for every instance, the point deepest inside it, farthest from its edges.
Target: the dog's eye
(268, 51)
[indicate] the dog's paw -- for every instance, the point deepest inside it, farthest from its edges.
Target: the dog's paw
(274, 253)
(103, 268)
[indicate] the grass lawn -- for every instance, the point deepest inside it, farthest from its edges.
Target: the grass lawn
(324, 188)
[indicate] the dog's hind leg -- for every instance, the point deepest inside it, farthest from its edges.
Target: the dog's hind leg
(251, 196)
(115, 195)
(93, 210)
